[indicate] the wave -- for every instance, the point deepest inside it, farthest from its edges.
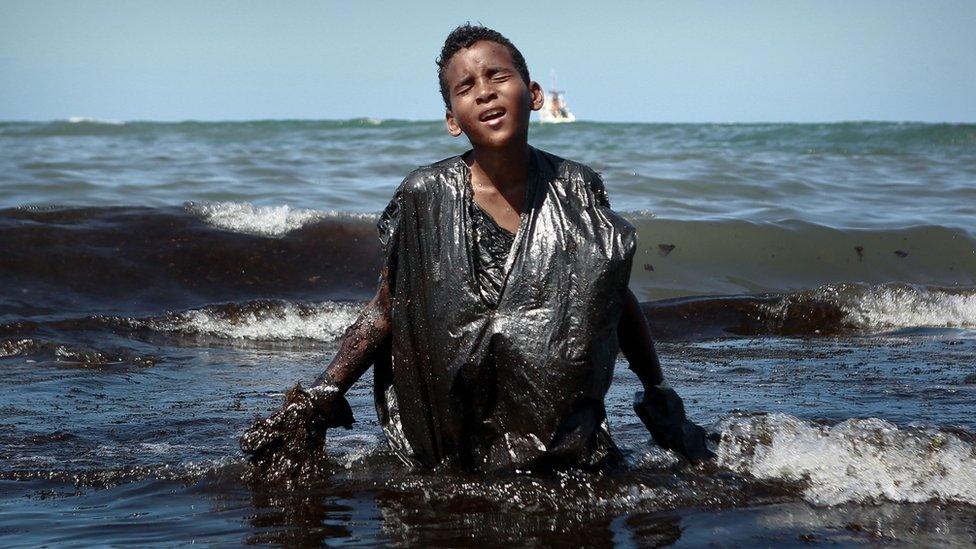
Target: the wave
(893, 306)
(140, 261)
(144, 260)
(68, 341)
(89, 120)
(830, 310)
(260, 321)
(35, 349)
(858, 460)
(263, 220)
(680, 258)
(838, 310)
(775, 279)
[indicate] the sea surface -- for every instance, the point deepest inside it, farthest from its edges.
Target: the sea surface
(812, 288)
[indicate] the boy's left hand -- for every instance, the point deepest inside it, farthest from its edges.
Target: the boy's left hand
(663, 413)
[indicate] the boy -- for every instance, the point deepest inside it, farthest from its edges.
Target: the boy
(501, 305)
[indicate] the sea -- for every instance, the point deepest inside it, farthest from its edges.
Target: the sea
(811, 287)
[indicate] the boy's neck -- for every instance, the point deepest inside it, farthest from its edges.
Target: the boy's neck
(505, 168)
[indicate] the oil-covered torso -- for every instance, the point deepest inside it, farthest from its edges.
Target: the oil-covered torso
(514, 382)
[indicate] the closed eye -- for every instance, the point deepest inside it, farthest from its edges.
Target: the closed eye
(464, 86)
(498, 74)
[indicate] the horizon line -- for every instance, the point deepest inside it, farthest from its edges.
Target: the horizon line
(378, 120)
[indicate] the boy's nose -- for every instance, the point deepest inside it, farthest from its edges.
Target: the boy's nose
(485, 93)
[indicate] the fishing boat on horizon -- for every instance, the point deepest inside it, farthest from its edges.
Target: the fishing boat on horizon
(555, 110)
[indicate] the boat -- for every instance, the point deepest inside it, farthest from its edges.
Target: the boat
(555, 110)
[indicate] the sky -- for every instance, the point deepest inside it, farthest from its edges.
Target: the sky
(687, 61)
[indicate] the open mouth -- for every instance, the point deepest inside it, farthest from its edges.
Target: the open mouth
(491, 114)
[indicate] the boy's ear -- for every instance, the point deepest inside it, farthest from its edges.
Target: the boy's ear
(451, 123)
(538, 96)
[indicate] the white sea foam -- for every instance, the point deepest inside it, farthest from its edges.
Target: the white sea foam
(854, 461)
(354, 449)
(903, 306)
(277, 322)
(89, 120)
(887, 306)
(246, 218)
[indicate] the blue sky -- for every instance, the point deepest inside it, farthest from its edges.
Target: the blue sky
(619, 61)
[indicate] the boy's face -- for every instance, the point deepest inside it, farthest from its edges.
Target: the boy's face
(490, 103)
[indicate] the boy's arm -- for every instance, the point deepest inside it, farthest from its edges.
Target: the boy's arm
(634, 335)
(658, 406)
(286, 443)
(361, 341)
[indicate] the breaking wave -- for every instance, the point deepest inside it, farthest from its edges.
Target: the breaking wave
(848, 309)
(261, 321)
(245, 218)
(854, 461)
(780, 279)
(90, 120)
(858, 460)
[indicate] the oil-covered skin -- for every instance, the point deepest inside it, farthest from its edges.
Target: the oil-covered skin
(363, 340)
(290, 443)
(636, 342)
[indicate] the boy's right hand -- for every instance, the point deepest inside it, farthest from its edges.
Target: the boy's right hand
(288, 442)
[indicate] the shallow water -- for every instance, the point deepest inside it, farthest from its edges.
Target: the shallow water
(149, 452)
(139, 340)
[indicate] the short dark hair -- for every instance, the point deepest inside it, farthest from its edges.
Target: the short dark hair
(463, 37)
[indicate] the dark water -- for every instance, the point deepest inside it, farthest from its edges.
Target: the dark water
(813, 288)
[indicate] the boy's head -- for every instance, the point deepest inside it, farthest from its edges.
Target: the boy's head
(485, 85)
(463, 37)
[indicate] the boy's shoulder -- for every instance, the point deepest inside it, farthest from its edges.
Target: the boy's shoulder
(422, 177)
(565, 168)
(574, 172)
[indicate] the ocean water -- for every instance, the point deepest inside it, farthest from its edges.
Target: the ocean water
(812, 288)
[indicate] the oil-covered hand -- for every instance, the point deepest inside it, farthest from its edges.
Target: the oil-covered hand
(290, 442)
(663, 413)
